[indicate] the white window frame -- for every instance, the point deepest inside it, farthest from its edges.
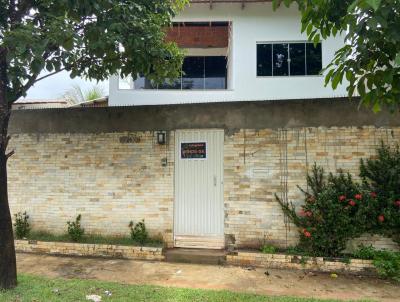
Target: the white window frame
(272, 58)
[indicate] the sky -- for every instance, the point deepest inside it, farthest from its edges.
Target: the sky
(55, 86)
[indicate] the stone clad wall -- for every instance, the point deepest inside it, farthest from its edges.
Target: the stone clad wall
(112, 178)
(109, 178)
(261, 163)
(91, 250)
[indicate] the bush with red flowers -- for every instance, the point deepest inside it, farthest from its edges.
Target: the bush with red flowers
(381, 176)
(331, 219)
(337, 209)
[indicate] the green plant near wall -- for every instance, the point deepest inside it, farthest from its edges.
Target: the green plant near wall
(75, 230)
(381, 175)
(329, 216)
(337, 209)
(268, 249)
(139, 232)
(21, 225)
(364, 252)
(387, 263)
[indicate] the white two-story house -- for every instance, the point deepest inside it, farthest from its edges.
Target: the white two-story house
(237, 51)
(200, 158)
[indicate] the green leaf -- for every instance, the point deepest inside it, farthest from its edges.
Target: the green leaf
(329, 76)
(352, 6)
(68, 44)
(375, 4)
(287, 2)
(275, 4)
(337, 78)
(377, 107)
(397, 60)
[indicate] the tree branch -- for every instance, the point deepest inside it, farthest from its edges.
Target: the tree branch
(9, 154)
(48, 75)
(6, 142)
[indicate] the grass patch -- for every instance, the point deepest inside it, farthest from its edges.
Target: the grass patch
(93, 239)
(38, 289)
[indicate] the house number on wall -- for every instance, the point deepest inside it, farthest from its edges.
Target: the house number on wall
(196, 150)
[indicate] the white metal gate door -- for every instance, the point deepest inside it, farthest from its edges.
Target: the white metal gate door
(199, 206)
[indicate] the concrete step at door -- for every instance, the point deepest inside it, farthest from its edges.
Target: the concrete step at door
(197, 256)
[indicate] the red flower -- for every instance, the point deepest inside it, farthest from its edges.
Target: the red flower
(306, 233)
(381, 218)
(358, 196)
(342, 198)
(302, 213)
(352, 202)
(373, 194)
(397, 203)
(308, 213)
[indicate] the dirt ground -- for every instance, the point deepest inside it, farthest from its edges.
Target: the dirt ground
(260, 281)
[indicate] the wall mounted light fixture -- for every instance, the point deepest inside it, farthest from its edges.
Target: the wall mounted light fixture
(161, 137)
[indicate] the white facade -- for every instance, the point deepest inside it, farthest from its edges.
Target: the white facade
(256, 23)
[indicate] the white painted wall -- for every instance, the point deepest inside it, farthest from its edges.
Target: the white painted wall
(256, 23)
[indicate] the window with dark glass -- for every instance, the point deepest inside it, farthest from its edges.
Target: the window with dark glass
(314, 58)
(264, 59)
(215, 72)
(193, 73)
(200, 72)
(289, 59)
(280, 59)
(297, 59)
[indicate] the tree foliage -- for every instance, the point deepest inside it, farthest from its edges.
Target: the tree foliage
(88, 38)
(370, 58)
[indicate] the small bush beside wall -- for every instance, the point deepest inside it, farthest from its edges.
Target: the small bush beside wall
(382, 176)
(331, 213)
(75, 230)
(337, 209)
(21, 225)
(139, 232)
(387, 263)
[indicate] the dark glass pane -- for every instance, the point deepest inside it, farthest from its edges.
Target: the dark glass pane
(193, 73)
(264, 60)
(281, 66)
(314, 58)
(297, 59)
(215, 72)
(143, 83)
(170, 84)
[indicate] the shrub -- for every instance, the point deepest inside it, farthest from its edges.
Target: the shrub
(364, 252)
(139, 232)
(381, 175)
(330, 215)
(75, 230)
(21, 224)
(387, 264)
(268, 249)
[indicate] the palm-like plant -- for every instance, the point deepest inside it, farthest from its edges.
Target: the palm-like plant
(77, 95)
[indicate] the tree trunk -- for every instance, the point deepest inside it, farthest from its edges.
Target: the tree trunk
(8, 267)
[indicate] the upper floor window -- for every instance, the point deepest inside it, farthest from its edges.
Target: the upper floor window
(289, 59)
(198, 73)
